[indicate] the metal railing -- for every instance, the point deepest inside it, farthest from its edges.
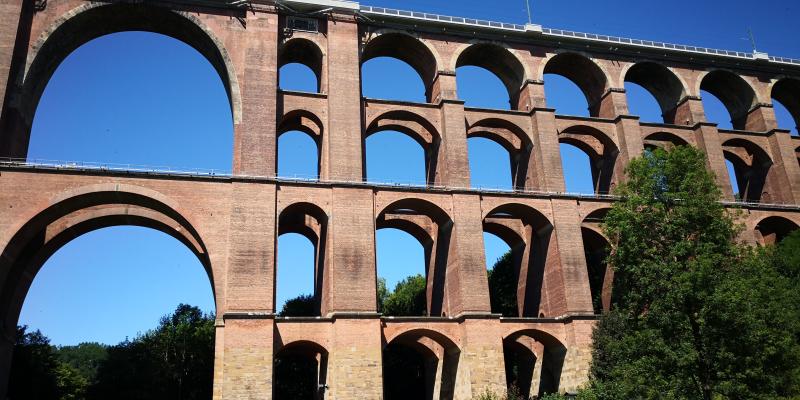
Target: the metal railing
(390, 12)
(122, 169)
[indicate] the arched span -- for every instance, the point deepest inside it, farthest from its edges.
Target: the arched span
(663, 140)
(79, 212)
(408, 49)
(411, 335)
(301, 346)
(548, 354)
(751, 164)
(304, 121)
(787, 92)
(734, 92)
(311, 221)
(773, 229)
(662, 83)
(602, 152)
(505, 133)
(499, 61)
(585, 73)
(93, 20)
(306, 52)
(527, 232)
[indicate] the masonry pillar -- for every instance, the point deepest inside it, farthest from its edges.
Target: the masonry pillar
(760, 118)
(785, 167)
(611, 104)
(707, 138)
(689, 111)
(15, 25)
(467, 284)
(345, 152)
(247, 357)
(567, 277)
(455, 163)
(255, 140)
(355, 360)
(575, 372)
(481, 365)
(546, 151)
(631, 145)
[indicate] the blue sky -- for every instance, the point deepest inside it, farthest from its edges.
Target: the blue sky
(148, 99)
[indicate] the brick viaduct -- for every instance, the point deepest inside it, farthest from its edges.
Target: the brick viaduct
(232, 222)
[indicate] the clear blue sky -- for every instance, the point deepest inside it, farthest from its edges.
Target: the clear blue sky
(146, 99)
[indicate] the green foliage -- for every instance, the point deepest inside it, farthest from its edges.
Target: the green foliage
(304, 305)
(503, 286)
(33, 368)
(84, 358)
(383, 294)
(408, 298)
(173, 361)
(694, 315)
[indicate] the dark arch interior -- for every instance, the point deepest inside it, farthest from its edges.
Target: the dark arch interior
(412, 363)
(303, 52)
(407, 49)
(499, 62)
(737, 96)
(527, 233)
(662, 84)
(300, 372)
(751, 167)
(584, 73)
(787, 93)
(523, 353)
(772, 230)
(596, 249)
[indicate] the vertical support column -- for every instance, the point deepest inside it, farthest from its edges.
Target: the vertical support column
(246, 358)
(689, 111)
(631, 144)
(546, 151)
(567, 277)
(355, 360)
(345, 152)
(612, 104)
(352, 252)
(454, 162)
(250, 279)
(761, 118)
(16, 17)
(707, 139)
(482, 359)
(467, 285)
(575, 372)
(255, 141)
(785, 168)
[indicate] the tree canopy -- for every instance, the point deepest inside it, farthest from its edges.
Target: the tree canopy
(694, 314)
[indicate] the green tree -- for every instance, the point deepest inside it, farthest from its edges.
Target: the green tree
(84, 358)
(694, 315)
(503, 286)
(173, 361)
(304, 305)
(408, 298)
(383, 294)
(34, 366)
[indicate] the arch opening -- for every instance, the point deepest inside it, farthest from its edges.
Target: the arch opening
(311, 222)
(585, 74)
(491, 140)
(398, 54)
(298, 156)
(431, 227)
(520, 285)
(772, 230)
(751, 170)
(786, 101)
(596, 249)
(601, 152)
(662, 85)
(420, 365)
(300, 64)
(396, 152)
(498, 61)
(663, 140)
(735, 94)
(92, 21)
(300, 371)
(534, 362)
